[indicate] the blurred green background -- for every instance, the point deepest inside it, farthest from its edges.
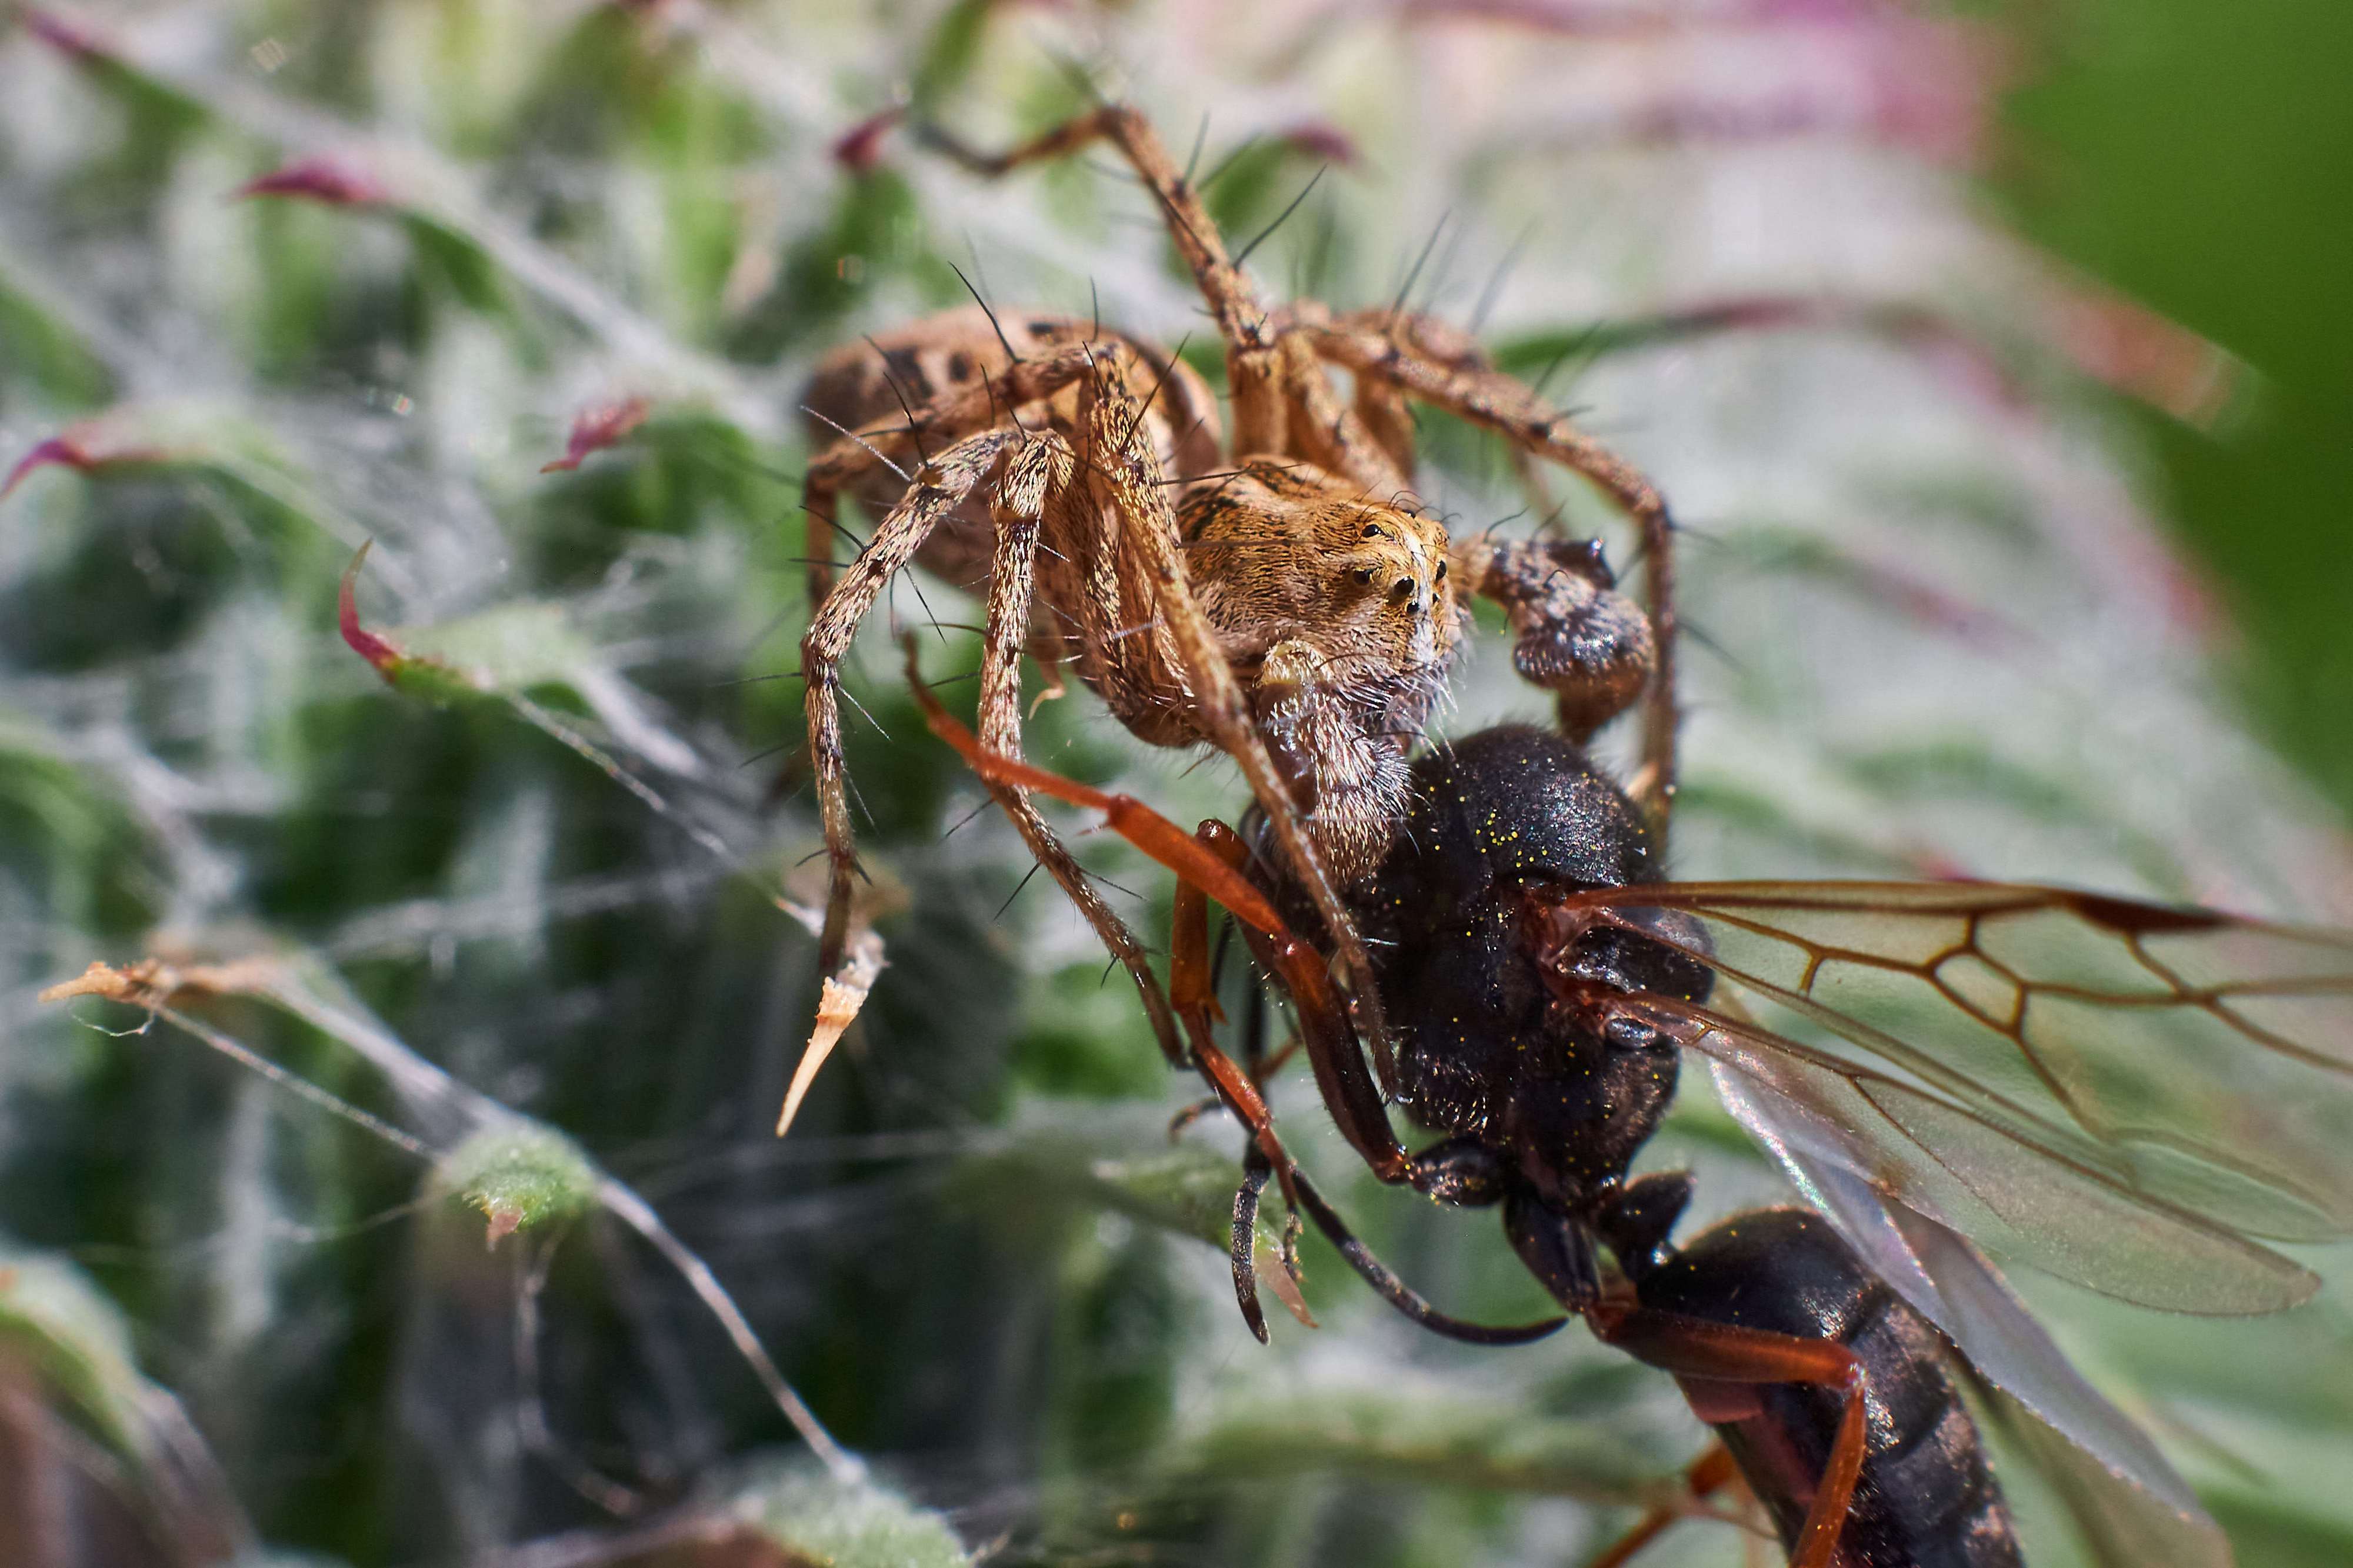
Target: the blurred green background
(511, 939)
(2200, 158)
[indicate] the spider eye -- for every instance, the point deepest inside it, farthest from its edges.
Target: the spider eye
(1372, 530)
(1362, 574)
(1438, 575)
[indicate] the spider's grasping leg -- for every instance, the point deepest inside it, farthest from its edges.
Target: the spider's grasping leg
(1025, 468)
(1034, 474)
(1208, 863)
(1424, 361)
(1579, 638)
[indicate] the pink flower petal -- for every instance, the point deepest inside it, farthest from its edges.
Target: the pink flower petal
(67, 35)
(596, 429)
(383, 656)
(323, 179)
(859, 148)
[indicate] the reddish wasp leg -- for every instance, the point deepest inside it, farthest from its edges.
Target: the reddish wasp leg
(1258, 1075)
(1125, 815)
(1190, 995)
(1709, 1473)
(1694, 1349)
(1196, 1005)
(1241, 1097)
(1340, 1075)
(1212, 865)
(1189, 989)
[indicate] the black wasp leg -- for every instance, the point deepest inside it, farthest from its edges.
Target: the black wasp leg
(1403, 1296)
(1461, 1172)
(1557, 1249)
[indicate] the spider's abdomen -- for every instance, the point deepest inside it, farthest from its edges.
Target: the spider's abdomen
(877, 379)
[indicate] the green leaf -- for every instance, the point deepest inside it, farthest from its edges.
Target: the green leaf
(836, 1523)
(522, 1175)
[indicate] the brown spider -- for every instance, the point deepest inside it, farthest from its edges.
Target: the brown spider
(1292, 605)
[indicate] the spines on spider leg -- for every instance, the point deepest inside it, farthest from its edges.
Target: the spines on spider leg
(945, 484)
(1033, 472)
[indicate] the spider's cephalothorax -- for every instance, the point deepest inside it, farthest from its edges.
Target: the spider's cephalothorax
(1333, 606)
(1338, 612)
(1281, 597)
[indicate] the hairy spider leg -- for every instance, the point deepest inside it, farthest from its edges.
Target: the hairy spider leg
(1284, 405)
(1025, 469)
(931, 426)
(1387, 346)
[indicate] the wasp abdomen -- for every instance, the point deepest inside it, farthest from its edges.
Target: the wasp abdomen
(1926, 1497)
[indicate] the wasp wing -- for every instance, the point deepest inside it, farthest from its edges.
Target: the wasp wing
(2027, 1198)
(2169, 1063)
(2133, 1508)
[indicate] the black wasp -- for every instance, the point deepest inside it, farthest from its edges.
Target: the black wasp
(2124, 1094)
